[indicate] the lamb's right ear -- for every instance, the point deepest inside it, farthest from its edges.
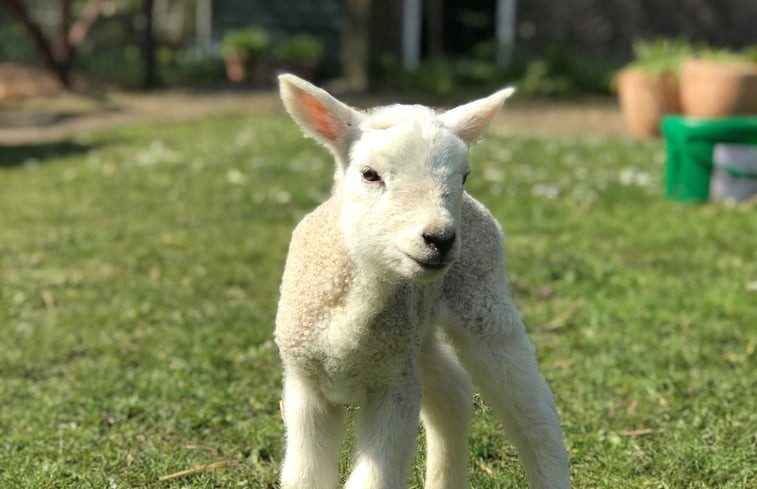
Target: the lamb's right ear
(321, 116)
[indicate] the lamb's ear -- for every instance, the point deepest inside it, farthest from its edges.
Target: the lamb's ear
(468, 121)
(321, 116)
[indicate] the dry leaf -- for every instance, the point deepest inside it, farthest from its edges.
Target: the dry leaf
(202, 468)
(637, 433)
(485, 468)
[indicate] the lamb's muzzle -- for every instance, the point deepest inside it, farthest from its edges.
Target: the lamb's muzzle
(441, 243)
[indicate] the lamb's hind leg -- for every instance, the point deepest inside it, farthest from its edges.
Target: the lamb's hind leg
(500, 358)
(446, 409)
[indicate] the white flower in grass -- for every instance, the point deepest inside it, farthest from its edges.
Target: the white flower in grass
(492, 174)
(545, 190)
(157, 152)
(235, 177)
(503, 155)
(282, 196)
(244, 138)
(581, 173)
(633, 176)
(583, 194)
(569, 159)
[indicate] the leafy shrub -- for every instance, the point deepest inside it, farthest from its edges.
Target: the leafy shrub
(750, 52)
(248, 42)
(538, 80)
(667, 55)
(301, 48)
(728, 56)
(660, 55)
(557, 71)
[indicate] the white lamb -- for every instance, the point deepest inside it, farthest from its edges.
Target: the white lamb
(379, 278)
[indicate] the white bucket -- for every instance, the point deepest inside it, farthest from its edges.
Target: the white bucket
(734, 172)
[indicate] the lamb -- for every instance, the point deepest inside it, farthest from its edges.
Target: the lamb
(389, 286)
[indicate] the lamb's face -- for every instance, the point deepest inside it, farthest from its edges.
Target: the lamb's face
(402, 192)
(400, 174)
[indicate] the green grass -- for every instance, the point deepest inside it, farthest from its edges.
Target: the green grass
(139, 272)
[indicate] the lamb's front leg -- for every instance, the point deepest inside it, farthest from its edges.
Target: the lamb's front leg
(446, 414)
(387, 429)
(314, 433)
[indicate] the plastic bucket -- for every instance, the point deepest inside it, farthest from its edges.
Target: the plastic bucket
(690, 147)
(734, 172)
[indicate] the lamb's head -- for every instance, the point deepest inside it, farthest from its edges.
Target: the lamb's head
(399, 177)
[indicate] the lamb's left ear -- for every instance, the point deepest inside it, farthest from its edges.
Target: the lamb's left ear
(468, 121)
(321, 116)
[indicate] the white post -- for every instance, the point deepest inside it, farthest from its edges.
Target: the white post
(204, 25)
(411, 34)
(505, 31)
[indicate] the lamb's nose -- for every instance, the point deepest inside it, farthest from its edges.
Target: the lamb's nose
(441, 242)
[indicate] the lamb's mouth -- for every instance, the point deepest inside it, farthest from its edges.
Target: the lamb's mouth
(430, 266)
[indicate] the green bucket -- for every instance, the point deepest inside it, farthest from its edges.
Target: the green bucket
(689, 148)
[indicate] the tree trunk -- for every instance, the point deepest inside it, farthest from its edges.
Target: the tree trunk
(355, 43)
(435, 27)
(149, 72)
(61, 47)
(58, 55)
(35, 32)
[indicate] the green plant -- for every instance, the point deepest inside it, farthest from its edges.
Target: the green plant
(556, 71)
(660, 56)
(723, 55)
(246, 43)
(750, 53)
(537, 80)
(301, 48)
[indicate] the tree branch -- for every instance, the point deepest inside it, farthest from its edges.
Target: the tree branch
(79, 31)
(33, 29)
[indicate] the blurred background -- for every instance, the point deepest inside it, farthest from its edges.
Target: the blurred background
(433, 47)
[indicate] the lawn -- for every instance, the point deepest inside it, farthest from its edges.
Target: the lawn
(139, 271)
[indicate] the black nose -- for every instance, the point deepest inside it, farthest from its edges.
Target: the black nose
(441, 242)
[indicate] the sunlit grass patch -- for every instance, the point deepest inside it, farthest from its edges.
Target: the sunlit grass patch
(139, 277)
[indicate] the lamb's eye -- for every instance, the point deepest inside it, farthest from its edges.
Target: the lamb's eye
(370, 175)
(465, 177)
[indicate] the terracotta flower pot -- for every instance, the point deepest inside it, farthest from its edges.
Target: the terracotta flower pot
(251, 70)
(646, 99)
(235, 68)
(715, 89)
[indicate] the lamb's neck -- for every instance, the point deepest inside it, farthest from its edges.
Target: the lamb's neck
(375, 288)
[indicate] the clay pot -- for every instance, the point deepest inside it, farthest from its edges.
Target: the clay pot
(235, 68)
(645, 99)
(716, 89)
(250, 70)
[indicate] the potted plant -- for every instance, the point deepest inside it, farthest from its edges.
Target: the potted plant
(244, 53)
(719, 83)
(648, 86)
(298, 54)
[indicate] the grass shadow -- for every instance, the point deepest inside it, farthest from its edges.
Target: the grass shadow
(16, 155)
